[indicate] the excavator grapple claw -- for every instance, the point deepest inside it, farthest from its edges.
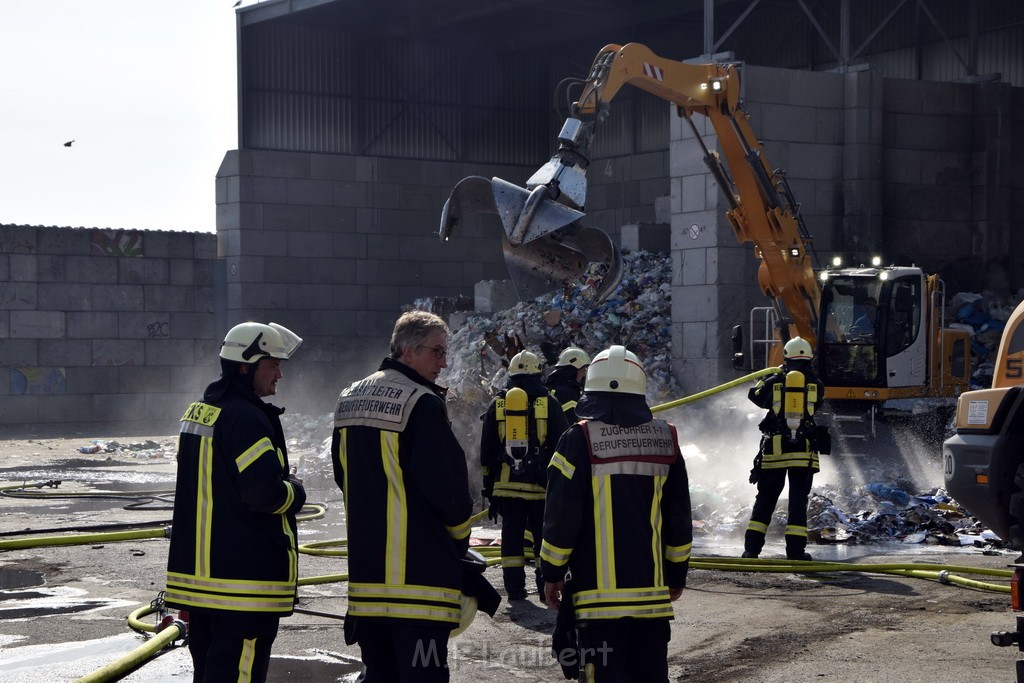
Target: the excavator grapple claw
(545, 247)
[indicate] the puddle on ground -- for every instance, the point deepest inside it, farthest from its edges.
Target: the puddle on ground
(72, 660)
(13, 579)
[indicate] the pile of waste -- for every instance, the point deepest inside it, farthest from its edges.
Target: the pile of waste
(636, 315)
(984, 316)
(135, 449)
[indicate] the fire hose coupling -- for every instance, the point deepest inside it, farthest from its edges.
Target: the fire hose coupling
(944, 577)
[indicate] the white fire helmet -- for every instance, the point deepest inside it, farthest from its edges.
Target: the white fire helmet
(524, 363)
(573, 356)
(248, 342)
(617, 370)
(797, 348)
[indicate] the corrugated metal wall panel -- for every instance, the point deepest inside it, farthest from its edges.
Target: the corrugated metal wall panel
(1003, 52)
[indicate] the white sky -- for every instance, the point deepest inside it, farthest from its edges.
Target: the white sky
(146, 88)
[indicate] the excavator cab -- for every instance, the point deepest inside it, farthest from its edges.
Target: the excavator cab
(544, 243)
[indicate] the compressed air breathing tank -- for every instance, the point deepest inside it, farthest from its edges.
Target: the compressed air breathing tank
(795, 401)
(517, 414)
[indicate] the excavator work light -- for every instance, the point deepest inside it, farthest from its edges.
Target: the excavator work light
(837, 261)
(876, 261)
(794, 252)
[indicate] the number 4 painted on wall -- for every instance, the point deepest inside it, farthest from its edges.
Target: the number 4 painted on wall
(608, 168)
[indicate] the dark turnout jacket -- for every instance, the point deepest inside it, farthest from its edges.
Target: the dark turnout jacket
(407, 502)
(233, 541)
(617, 511)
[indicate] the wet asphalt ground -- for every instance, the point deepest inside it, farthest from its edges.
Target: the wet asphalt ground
(63, 608)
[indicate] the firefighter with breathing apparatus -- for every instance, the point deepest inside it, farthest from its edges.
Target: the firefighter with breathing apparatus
(617, 530)
(566, 381)
(520, 430)
(790, 444)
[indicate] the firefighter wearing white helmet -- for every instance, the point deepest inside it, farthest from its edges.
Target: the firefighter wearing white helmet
(234, 513)
(790, 445)
(566, 381)
(520, 429)
(617, 522)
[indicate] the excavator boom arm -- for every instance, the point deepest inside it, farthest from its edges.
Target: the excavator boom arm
(759, 214)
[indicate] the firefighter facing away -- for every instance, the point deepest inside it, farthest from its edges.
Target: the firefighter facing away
(408, 508)
(520, 429)
(790, 444)
(566, 381)
(233, 560)
(617, 530)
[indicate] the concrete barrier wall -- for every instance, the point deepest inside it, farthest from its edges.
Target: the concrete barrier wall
(104, 325)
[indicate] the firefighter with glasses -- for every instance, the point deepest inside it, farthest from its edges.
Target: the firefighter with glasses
(407, 503)
(520, 429)
(790, 444)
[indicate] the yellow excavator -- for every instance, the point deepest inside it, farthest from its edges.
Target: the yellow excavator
(878, 330)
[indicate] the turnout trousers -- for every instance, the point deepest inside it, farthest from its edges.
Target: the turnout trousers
(769, 487)
(624, 650)
(403, 653)
(229, 647)
(518, 516)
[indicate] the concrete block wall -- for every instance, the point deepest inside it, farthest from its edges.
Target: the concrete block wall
(104, 325)
(949, 180)
(335, 246)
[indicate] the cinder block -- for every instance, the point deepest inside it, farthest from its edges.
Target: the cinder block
(91, 324)
(16, 352)
(65, 352)
(117, 297)
(491, 296)
(118, 352)
(90, 380)
(339, 220)
(182, 272)
(786, 122)
(170, 298)
(5, 324)
(308, 191)
(349, 298)
(306, 296)
(694, 303)
(37, 324)
(141, 325)
(139, 271)
(18, 410)
(167, 351)
(285, 217)
(351, 193)
(90, 269)
(62, 297)
(286, 270)
(264, 242)
(19, 238)
(54, 409)
(192, 325)
(310, 244)
(118, 408)
(332, 166)
(36, 268)
(64, 241)
(337, 271)
(350, 246)
(653, 237)
(402, 171)
(286, 164)
(269, 190)
(663, 208)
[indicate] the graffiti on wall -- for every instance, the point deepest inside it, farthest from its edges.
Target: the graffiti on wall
(116, 243)
(25, 381)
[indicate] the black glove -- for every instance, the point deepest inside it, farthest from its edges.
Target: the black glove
(755, 471)
(494, 511)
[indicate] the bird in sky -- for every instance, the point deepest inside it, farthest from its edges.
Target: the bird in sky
(69, 143)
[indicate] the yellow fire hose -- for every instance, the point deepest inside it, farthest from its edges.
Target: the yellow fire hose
(492, 553)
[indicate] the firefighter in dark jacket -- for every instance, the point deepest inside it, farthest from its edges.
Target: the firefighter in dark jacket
(520, 430)
(790, 445)
(566, 381)
(407, 505)
(618, 523)
(233, 560)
